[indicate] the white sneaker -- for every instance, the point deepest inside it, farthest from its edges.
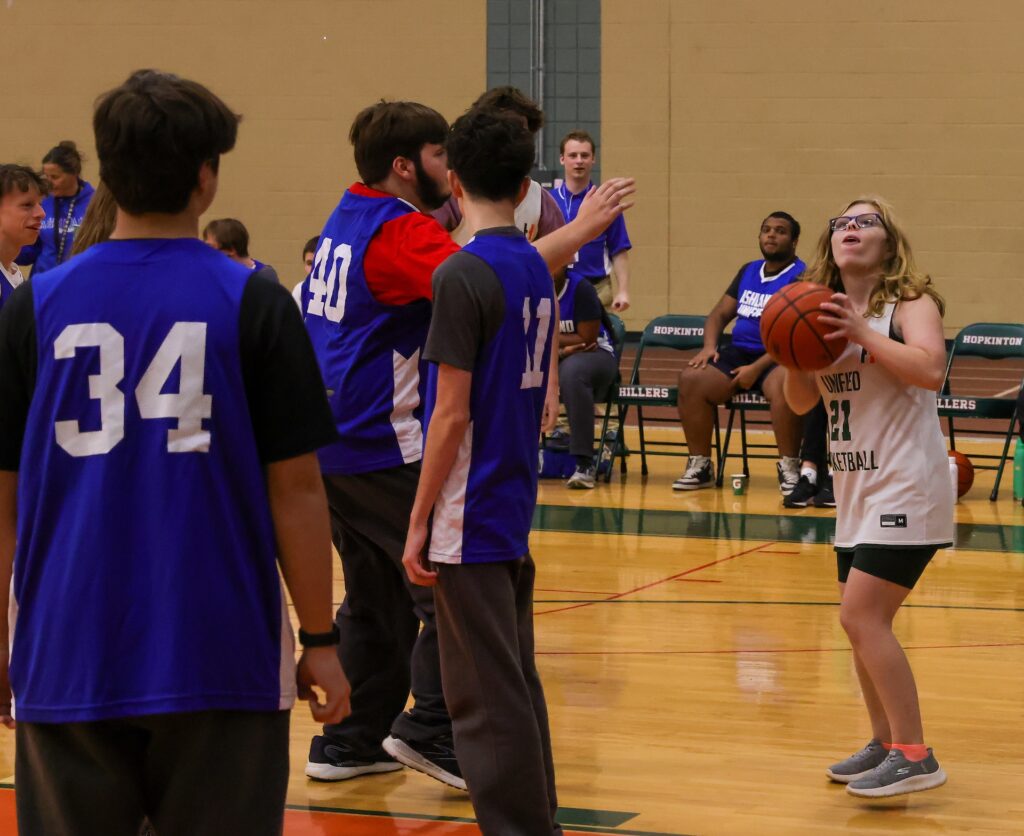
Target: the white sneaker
(788, 468)
(583, 478)
(698, 474)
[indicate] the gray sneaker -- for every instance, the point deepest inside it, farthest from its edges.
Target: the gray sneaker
(896, 776)
(859, 764)
(583, 478)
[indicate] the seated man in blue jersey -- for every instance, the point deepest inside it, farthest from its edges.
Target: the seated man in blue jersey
(715, 374)
(21, 215)
(160, 407)
(587, 366)
(230, 236)
(489, 346)
(609, 252)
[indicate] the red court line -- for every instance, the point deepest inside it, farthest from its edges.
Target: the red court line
(773, 552)
(574, 591)
(317, 823)
(735, 651)
(678, 575)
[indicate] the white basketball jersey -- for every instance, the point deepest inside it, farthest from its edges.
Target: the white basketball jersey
(887, 453)
(527, 217)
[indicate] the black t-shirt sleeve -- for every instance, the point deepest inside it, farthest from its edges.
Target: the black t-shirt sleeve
(286, 394)
(469, 306)
(18, 364)
(734, 287)
(586, 304)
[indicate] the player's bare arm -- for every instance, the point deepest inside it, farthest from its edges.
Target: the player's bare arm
(299, 510)
(920, 360)
(448, 424)
(620, 266)
(8, 537)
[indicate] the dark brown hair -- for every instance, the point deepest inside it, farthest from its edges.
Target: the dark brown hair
(579, 136)
(66, 155)
(311, 245)
(230, 234)
(21, 178)
(491, 153)
(153, 134)
(513, 100)
(386, 130)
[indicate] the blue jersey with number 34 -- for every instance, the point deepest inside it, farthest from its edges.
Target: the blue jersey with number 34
(485, 508)
(145, 572)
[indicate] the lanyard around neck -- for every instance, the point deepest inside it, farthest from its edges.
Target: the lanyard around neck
(63, 230)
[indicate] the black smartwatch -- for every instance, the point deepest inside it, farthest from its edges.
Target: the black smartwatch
(320, 639)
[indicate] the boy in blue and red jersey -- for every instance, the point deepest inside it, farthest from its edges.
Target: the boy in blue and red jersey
(490, 344)
(367, 307)
(160, 407)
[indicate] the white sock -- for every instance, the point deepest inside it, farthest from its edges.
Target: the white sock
(810, 473)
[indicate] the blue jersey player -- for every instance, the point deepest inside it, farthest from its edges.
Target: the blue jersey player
(489, 346)
(160, 407)
(367, 308)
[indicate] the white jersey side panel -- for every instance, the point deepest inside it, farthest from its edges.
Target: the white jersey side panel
(891, 469)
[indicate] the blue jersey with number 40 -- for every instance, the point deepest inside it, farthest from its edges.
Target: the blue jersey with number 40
(485, 507)
(145, 573)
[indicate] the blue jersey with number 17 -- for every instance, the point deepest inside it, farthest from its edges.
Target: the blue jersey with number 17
(145, 572)
(485, 508)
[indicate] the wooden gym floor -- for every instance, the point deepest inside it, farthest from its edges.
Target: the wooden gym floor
(699, 682)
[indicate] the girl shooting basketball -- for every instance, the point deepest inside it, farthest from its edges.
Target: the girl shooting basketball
(895, 500)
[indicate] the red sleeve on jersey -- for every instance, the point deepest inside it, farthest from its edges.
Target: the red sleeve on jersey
(401, 259)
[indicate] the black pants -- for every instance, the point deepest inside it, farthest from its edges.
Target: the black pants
(583, 377)
(500, 717)
(813, 445)
(193, 774)
(383, 650)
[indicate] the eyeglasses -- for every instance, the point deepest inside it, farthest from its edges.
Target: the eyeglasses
(869, 220)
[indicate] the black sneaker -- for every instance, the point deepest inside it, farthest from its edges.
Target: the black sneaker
(435, 758)
(801, 495)
(824, 498)
(330, 761)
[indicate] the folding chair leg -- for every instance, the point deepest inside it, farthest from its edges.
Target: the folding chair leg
(643, 443)
(724, 457)
(1002, 461)
(743, 443)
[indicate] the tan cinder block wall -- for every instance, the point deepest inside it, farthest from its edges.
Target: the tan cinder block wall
(726, 110)
(298, 70)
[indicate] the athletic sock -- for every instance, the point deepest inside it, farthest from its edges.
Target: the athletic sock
(913, 752)
(584, 461)
(810, 474)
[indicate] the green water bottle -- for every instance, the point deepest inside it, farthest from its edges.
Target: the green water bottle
(1018, 471)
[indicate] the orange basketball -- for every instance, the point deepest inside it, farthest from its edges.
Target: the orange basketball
(791, 329)
(964, 472)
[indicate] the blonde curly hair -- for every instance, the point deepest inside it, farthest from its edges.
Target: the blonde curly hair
(900, 279)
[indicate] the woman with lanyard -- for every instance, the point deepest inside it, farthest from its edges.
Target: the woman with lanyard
(65, 208)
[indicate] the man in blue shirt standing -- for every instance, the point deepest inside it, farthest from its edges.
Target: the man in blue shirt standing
(609, 251)
(715, 374)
